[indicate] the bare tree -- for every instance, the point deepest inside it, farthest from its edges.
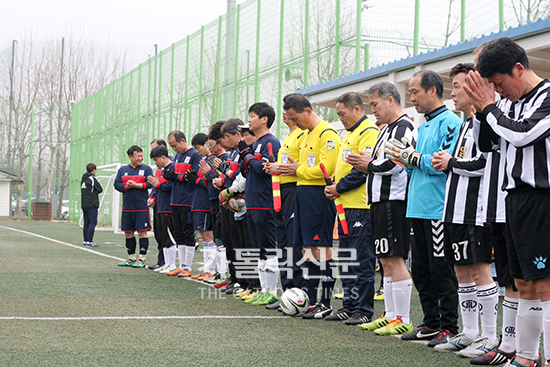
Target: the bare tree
(42, 79)
(530, 10)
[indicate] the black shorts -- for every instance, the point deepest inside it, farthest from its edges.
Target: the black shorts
(314, 217)
(135, 221)
(466, 244)
(528, 233)
(391, 230)
(502, 265)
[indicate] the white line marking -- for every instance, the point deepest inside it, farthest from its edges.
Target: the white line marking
(137, 318)
(64, 243)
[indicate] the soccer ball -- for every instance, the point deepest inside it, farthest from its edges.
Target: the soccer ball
(294, 302)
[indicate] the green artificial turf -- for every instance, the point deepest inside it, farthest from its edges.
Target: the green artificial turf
(160, 320)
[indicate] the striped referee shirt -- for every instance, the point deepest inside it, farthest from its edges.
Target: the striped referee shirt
(463, 194)
(524, 127)
(386, 179)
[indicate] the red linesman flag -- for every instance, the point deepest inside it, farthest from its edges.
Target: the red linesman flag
(275, 182)
(337, 202)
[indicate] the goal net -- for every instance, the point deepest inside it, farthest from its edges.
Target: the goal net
(108, 216)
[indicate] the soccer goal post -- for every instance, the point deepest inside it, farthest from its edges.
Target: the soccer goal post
(108, 216)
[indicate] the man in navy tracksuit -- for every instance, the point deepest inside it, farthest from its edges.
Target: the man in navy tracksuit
(131, 181)
(259, 199)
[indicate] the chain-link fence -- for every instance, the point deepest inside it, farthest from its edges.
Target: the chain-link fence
(261, 51)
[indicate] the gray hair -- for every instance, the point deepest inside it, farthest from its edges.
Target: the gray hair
(384, 90)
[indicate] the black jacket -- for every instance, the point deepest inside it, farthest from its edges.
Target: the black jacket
(90, 189)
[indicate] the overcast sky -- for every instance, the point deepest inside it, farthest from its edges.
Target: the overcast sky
(137, 24)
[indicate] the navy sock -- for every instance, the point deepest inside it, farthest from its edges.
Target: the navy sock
(143, 245)
(131, 245)
(312, 281)
(327, 281)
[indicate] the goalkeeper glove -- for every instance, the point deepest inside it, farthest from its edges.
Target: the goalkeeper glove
(402, 152)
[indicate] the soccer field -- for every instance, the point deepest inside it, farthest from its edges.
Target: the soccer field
(65, 305)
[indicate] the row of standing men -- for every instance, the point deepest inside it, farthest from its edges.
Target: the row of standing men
(446, 180)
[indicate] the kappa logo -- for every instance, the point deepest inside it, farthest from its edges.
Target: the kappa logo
(357, 224)
(540, 262)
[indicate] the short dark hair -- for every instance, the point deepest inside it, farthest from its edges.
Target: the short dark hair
(288, 95)
(133, 149)
(159, 151)
(297, 102)
(350, 100)
(262, 109)
(178, 136)
(231, 126)
(384, 90)
(159, 141)
(199, 139)
(500, 56)
(90, 167)
(461, 68)
(216, 131)
(430, 79)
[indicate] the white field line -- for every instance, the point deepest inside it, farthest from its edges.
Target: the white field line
(117, 317)
(137, 318)
(64, 243)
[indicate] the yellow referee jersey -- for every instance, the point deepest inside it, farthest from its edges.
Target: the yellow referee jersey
(291, 148)
(321, 145)
(362, 137)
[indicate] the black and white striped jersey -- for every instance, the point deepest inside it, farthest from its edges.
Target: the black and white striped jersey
(493, 205)
(386, 179)
(463, 194)
(524, 127)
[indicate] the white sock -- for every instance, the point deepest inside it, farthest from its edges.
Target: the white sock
(165, 254)
(509, 313)
(222, 262)
(487, 296)
(271, 274)
(388, 299)
(261, 274)
(402, 299)
(181, 254)
(546, 329)
(189, 255)
(204, 253)
(467, 297)
(171, 256)
(210, 262)
(529, 327)
(216, 260)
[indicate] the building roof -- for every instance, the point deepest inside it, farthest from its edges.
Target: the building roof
(539, 56)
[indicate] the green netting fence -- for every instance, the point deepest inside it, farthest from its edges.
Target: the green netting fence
(260, 51)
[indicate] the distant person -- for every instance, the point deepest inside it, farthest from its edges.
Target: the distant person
(90, 189)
